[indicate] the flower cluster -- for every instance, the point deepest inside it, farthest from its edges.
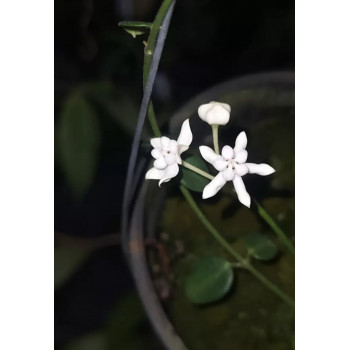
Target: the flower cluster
(231, 164)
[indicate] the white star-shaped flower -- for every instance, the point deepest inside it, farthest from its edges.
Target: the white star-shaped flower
(232, 165)
(167, 154)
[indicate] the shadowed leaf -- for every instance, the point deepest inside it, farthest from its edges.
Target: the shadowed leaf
(67, 261)
(260, 247)
(192, 180)
(78, 141)
(210, 279)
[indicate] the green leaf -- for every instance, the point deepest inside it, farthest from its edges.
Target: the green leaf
(135, 28)
(78, 142)
(68, 260)
(192, 180)
(91, 341)
(210, 279)
(126, 318)
(260, 247)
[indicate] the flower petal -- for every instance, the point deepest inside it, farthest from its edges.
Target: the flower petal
(170, 172)
(203, 109)
(155, 142)
(164, 140)
(182, 149)
(220, 164)
(185, 137)
(215, 113)
(260, 169)
(214, 186)
(173, 146)
(227, 152)
(178, 159)
(154, 174)
(156, 153)
(241, 169)
(241, 142)
(170, 158)
(228, 174)
(160, 163)
(208, 154)
(241, 156)
(242, 194)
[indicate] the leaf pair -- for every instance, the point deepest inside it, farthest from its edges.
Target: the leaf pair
(212, 277)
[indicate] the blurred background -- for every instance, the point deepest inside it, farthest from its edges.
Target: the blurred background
(98, 90)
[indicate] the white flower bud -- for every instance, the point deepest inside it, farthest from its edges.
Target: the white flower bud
(215, 113)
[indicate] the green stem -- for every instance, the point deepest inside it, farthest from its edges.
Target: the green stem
(149, 51)
(261, 211)
(153, 120)
(197, 170)
(282, 236)
(215, 129)
(231, 250)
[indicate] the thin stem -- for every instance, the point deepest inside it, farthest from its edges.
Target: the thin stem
(282, 236)
(153, 120)
(149, 50)
(107, 240)
(152, 38)
(215, 129)
(231, 250)
(151, 75)
(197, 170)
(209, 226)
(261, 211)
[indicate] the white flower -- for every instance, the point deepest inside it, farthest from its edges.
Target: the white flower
(232, 165)
(167, 154)
(215, 113)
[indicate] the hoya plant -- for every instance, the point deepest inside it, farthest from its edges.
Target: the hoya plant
(208, 170)
(230, 165)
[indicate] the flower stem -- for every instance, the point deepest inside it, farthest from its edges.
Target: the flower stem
(244, 263)
(282, 236)
(261, 211)
(197, 170)
(149, 50)
(153, 120)
(215, 129)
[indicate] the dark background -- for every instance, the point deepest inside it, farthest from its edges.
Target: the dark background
(208, 42)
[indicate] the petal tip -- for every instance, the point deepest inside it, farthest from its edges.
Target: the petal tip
(185, 137)
(268, 170)
(205, 194)
(245, 201)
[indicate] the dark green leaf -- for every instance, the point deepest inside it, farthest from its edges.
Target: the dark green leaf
(67, 261)
(91, 341)
(78, 142)
(210, 279)
(260, 247)
(127, 318)
(192, 180)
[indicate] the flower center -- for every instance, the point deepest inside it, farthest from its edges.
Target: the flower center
(167, 152)
(230, 163)
(169, 155)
